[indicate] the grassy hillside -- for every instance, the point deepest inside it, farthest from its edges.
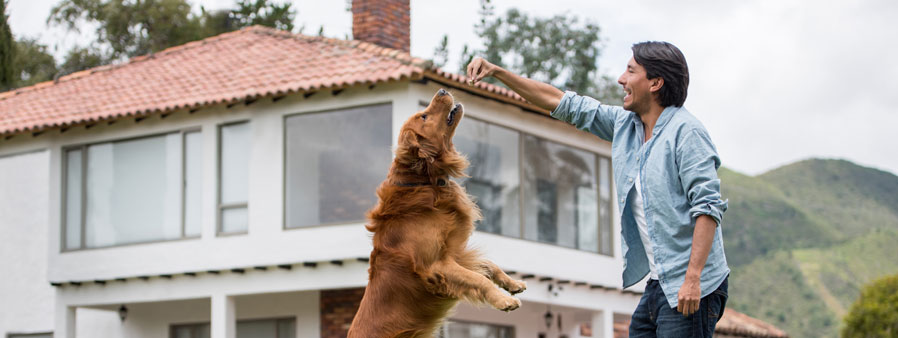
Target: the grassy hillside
(804, 238)
(761, 220)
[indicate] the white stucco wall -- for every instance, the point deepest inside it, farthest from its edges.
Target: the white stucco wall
(26, 298)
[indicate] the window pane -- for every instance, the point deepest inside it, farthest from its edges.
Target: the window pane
(73, 200)
(234, 163)
(234, 220)
(183, 332)
(257, 329)
(605, 216)
(335, 161)
(477, 330)
(133, 191)
(193, 163)
(286, 328)
(560, 205)
(494, 174)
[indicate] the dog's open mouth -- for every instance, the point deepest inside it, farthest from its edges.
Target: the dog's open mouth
(452, 112)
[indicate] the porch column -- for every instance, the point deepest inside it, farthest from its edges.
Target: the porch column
(603, 324)
(224, 324)
(65, 321)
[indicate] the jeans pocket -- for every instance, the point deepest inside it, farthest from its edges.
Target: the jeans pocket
(716, 304)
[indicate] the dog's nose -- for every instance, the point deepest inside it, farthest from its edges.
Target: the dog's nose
(442, 92)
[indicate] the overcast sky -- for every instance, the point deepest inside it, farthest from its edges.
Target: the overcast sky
(773, 81)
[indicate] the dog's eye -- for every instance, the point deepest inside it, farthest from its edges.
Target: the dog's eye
(424, 117)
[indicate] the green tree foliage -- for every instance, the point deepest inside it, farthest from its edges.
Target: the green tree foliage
(441, 52)
(265, 13)
(33, 63)
(561, 50)
(137, 27)
(875, 314)
(8, 77)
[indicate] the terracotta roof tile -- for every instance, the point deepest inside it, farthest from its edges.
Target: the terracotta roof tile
(252, 62)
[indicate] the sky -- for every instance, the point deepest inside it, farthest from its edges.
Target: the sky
(774, 81)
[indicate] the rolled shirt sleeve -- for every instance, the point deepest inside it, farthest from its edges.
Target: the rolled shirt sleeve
(589, 114)
(698, 164)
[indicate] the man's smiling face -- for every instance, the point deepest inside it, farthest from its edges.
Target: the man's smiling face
(637, 87)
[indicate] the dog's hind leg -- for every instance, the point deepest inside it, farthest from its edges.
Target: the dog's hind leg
(446, 277)
(501, 279)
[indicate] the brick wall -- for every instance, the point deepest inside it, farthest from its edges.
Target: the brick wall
(338, 307)
(382, 22)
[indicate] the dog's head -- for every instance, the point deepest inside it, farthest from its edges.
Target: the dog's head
(425, 140)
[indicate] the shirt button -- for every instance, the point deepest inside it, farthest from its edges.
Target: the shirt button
(622, 200)
(629, 180)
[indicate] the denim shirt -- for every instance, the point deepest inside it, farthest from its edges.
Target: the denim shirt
(678, 169)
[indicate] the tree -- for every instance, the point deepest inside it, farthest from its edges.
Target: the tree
(561, 50)
(81, 58)
(441, 52)
(138, 27)
(33, 63)
(8, 76)
(265, 13)
(875, 313)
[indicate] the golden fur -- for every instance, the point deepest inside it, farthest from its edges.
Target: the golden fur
(421, 266)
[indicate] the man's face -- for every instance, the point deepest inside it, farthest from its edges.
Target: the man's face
(638, 87)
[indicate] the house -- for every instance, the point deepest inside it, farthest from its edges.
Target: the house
(218, 189)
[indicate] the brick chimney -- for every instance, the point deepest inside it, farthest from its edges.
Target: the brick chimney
(382, 22)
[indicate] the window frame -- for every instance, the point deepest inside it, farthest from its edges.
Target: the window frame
(182, 132)
(284, 225)
(195, 325)
(521, 208)
(445, 327)
(219, 207)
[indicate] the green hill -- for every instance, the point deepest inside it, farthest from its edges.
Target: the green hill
(802, 240)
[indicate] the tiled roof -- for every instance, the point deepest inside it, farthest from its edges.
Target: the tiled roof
(246, 64)
(741, 325)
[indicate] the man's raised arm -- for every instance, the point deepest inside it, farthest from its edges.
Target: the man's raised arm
(541, 94)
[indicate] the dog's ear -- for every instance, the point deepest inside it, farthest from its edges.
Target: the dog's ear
(417, 145)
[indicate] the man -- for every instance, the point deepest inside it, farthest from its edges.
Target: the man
(665, 171)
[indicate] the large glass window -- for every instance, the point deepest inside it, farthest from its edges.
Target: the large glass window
(560, 195)
(531, 188)
(132, 191)
(494, 174)
(456, 329)
(334, 162)
(264, 328)
(234, 178)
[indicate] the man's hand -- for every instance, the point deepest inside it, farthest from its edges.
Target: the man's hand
(479, 69)
(689, 296)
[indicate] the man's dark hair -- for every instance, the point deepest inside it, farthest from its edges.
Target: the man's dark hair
(664, 60)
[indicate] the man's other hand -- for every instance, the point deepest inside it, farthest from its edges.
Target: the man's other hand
(689, 296)
(479, 69)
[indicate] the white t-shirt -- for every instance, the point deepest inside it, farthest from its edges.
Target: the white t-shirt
(639, 215)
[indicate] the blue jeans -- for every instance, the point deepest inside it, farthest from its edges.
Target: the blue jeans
(655, 318)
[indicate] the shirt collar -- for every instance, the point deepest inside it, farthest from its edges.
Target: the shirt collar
(665, 117)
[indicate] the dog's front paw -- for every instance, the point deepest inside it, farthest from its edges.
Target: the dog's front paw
(507, 304)
(516, 286)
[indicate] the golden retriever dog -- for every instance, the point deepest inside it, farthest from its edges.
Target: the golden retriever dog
(421, 266)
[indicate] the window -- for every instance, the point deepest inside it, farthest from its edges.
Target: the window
(265, 328)
(560, 195)
(455, 329)
(494, 174)
(233, 178)
(334, 162)
(132, 191)
(535, 189)
(31, 335)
